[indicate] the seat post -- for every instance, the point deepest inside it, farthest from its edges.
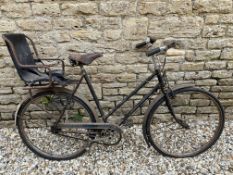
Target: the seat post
(86, 77)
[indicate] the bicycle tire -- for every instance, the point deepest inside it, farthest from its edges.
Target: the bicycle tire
(26, 128)
(205, 110)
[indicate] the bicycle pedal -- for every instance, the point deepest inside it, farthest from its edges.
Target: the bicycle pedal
(128, 123)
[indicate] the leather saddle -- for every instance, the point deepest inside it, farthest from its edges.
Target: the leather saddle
(76, 58)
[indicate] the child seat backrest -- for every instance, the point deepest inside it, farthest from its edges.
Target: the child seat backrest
(20, 52)
(17, 43)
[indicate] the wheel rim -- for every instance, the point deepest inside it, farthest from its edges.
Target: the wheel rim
(199, 110)
(37, 121)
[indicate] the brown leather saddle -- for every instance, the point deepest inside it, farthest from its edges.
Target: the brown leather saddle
(76, 58)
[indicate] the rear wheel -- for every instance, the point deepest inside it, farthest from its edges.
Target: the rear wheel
(37, 120)
(196, 107)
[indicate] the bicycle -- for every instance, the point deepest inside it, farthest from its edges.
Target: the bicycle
(183, 121)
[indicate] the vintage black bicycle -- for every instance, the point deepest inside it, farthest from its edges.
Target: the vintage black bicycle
(56, 124)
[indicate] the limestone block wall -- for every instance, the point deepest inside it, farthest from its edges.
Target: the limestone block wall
(203, 29)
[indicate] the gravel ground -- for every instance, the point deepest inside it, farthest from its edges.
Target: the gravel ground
(131, 156)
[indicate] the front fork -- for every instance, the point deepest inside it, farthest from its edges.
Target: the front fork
(168, 101)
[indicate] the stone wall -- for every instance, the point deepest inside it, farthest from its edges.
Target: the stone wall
(203, 28)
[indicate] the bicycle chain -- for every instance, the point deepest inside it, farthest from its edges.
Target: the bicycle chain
(105, 137)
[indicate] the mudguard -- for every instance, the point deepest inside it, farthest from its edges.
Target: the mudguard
(55, 89)
(144, 126)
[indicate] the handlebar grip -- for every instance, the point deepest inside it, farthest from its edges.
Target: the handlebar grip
(140, 45)
(153, 51)
(148, 40)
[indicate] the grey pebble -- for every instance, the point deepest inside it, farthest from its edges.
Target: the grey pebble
(131, 156)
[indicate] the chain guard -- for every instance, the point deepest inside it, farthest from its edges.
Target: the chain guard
(100, 133)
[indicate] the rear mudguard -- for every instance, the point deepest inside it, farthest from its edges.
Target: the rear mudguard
(154, 102)
(56, 89)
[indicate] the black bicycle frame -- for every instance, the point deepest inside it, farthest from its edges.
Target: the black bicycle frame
(158, 86)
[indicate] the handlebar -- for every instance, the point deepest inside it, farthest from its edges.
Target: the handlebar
(159, 49)
(148, 40)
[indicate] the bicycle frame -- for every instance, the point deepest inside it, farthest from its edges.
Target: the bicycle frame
(159, 85)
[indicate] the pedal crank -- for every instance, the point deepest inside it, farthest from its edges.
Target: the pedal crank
(100, 133)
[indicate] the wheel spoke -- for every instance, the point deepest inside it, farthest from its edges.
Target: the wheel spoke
(191, 105)
(35, 127)
(43, 109)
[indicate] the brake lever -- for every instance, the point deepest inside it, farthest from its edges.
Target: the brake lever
(164, 63)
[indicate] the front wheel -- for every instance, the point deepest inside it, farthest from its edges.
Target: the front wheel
(37, 120)
(199, 109)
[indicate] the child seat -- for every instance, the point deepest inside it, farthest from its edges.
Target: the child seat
(27, 66)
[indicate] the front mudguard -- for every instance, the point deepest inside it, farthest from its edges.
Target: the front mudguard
(154, 102)
(55, 89)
